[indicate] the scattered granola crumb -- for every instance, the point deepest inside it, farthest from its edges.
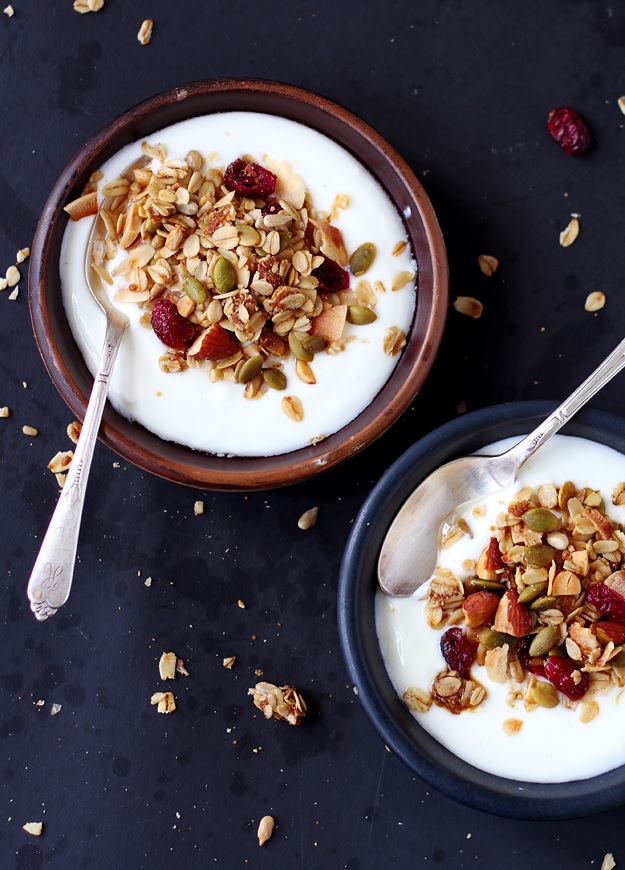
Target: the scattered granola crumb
(73, 430)
(167, 666)
(399, 248)
(40, 703)
(621, 104)
(461, 407)
(9, 10)
(22, 254)
(116, 465)
(569, 233)
(512, 726)
(401, 279)
(14, 294)
(13, 276)
(229, 661)
(488, 265)
(165, 701)
(181, 668)
(5, 412)
(3, 283)
(241, 604)
(595, 301)
(145, 31)
(60, 479)
(60, 462)
(265, 829)
(147, 581)
(198, 508)
(34, 828)
(83, 6)
(283, 702)
(308, 518)
(469, 306)
(30, 430)
(608, 859)
(55, 708)
(258, 672)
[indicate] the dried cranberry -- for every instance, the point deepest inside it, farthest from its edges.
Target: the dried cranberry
(558, 671)
(457, 651)
(606, 601)
(569, 130)
(272, 207)
(249, 179)
(170, 326)
(530, 664)
(332, 278)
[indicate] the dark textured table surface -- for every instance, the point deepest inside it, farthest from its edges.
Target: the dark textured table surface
(462, 90)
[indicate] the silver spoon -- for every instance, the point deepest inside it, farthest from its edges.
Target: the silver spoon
(409, 550)
(51, 578)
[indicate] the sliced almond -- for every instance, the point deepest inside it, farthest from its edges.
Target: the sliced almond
(570, 233)
(82, 207)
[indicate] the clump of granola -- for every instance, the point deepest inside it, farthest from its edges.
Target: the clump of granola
(282, 702)
(543, 607)
(233, 268)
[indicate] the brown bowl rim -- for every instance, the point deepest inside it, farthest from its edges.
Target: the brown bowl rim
(182, 464)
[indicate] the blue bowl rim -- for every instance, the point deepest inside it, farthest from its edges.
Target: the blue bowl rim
(400, 731)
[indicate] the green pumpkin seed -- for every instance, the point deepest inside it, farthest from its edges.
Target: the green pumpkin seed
(541, 520)
(490, 585)
(531, 593)
(224, 276)
(274, 378)
(493, 639)
(314, 343)
(361, 259)
(544, 694)
(248, 235)
(619, 660)
(195, 290)
(250, 369)
(543, 603)
(544, 640)
(298, 350)
(567, 491)
(538, 555)
(360, 314)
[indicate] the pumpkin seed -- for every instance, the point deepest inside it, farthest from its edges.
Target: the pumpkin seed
(250, 369)
(544, 640)
(248, 235)
(224, 276)
(618, 661)
(530, 593)
(544, 694)
(538, 555)
(314, 343)
(360, 315)
(361, 259)
(274, 378)
(493, 639)
(567, 491)
(490, 585)
(298, 350)
(541, 520)
(543, 603)
(195, 290)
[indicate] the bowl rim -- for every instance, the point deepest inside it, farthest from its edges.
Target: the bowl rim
(401, 732)
(185, 465)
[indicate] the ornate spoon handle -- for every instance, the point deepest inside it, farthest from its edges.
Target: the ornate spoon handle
(51, 577)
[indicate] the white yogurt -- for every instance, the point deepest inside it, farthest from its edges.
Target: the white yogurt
(552, 744)
(187, 407)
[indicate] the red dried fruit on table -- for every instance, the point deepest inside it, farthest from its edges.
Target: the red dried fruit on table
(606, 601)
(559, 671)
(531, 665)
(569, 130)
(168, 325)
(248, 178)
(332, 278)
(457, 651)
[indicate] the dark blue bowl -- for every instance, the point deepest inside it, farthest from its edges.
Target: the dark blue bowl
(357, 586)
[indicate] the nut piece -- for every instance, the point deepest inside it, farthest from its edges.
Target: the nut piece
(595, 301)
(82, 207)
(265, 829)
(34, 828)
(167, 666)
(13, 276)
(30, 430)
(570, 233)
(469, 306)
(621, 104)
(60, 462)
(145, 31)
(511, 617)
(5, 412)
(293, 408)
(9, 11)
(73, 431)
(488, 265)
(282, 702)
(308, 518)
(228, 662)
(198, 508)
(165, 701)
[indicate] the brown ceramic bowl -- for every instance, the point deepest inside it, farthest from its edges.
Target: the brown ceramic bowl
(174, 461)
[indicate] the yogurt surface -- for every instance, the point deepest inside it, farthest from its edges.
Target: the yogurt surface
(187, 407)
(552, 745)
